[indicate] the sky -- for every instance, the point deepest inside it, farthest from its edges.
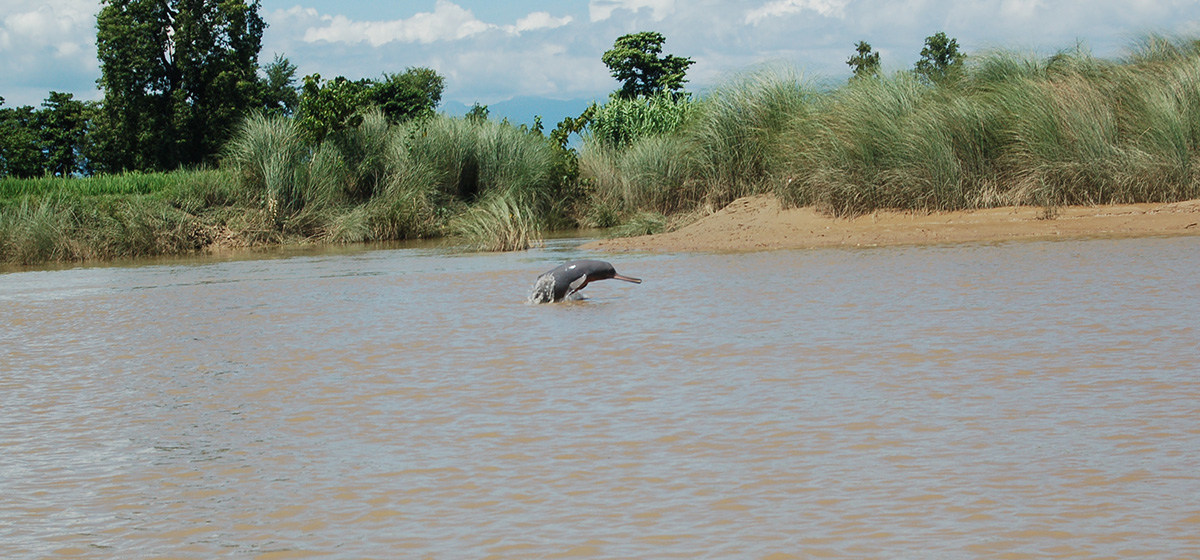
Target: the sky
(490, 51)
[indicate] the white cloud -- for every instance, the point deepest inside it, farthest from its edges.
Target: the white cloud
(1020, 9)
(537, 20)
(540, 70)
(447, 22)
(47, 46)
(296, 12)
(600, 10)
(63, 28)
(777, 8)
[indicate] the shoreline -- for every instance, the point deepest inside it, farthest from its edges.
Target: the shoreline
(758, 223)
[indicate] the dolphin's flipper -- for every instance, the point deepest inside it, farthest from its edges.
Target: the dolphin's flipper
(577, 284)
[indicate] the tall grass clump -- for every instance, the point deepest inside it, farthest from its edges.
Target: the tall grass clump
(472, 157)
(1097, 132)
(501, 173)
(272, 157)
(1061, 136)
(737, 127)
(68, 227)
(654, 174)
(894, 142)
(365, 151)
(348, 188)
(404, 205)
(36, 230)
(385, 181)
(1161, 89)
(499, 221)
(447, 146)
(134, 227)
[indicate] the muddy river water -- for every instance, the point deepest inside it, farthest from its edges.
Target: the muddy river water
(1018, 400)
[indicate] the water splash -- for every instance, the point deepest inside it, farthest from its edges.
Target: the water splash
(543, 290)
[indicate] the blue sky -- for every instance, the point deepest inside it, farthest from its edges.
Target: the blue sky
(491, 51)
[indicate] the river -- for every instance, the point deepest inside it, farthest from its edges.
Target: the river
(1013, 400)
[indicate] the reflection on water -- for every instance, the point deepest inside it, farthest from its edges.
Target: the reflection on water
(1023, 400)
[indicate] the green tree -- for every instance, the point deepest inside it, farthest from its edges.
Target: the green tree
(865, 62)
(177, 75)
(634, 62)
(63, 125)
(19, 152)
(280, 96)
(941, 62)
(413, 94)
(331, 106)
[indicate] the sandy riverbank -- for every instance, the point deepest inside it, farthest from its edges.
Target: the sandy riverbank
(760, 223)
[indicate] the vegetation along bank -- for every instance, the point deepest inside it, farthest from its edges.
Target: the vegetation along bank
(259, 160)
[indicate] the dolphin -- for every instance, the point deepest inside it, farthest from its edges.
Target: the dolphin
(568, 278)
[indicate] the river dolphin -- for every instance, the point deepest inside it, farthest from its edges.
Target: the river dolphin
(570, 277)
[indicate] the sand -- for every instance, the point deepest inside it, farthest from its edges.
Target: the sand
(761, 223)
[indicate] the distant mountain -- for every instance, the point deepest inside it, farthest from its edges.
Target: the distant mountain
(521, 110)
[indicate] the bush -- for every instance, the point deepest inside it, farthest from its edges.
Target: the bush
(620, 122)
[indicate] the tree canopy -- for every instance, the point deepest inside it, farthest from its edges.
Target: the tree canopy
(279, 93)
(865, 62)
(413, 94)
(19, 156)
(634, 61)
(330, 106)
(941, 62)
(50, 140)
(177, 75)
